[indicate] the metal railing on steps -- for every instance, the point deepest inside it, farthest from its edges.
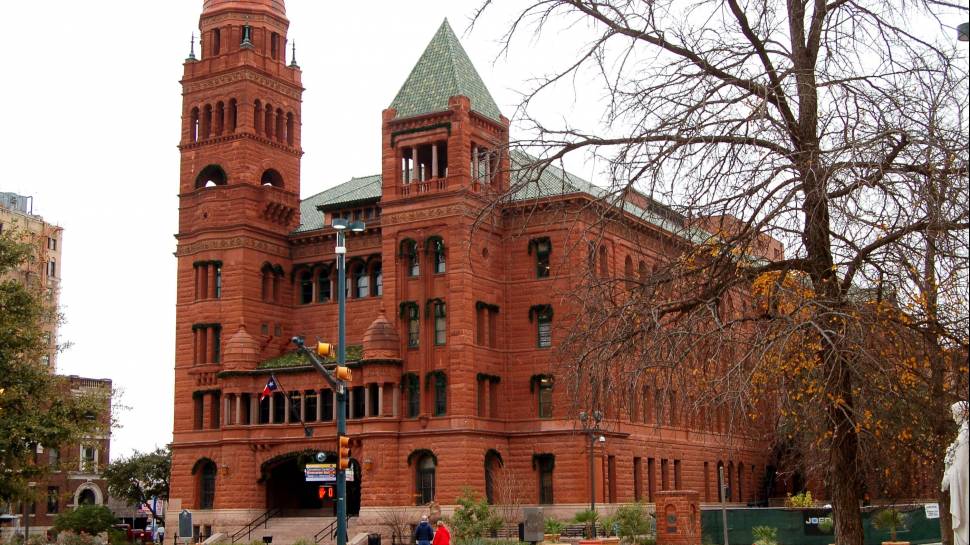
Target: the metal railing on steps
(329, 532)
(247, 530)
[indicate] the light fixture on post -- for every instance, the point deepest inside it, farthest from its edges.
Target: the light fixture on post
(591, 425)
(341, 225)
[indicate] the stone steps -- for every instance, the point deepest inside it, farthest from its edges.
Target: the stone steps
(287, 530)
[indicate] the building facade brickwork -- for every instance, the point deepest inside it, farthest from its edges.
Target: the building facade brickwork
(453, 319)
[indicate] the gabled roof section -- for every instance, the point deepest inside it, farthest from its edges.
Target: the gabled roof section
(443, 71)
(357, 190)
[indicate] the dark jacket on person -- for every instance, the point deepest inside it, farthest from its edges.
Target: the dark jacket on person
(423, 532)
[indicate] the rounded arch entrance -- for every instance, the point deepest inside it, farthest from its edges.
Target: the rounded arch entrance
(287, 489)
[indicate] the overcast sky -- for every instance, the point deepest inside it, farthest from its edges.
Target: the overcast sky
(91, 118)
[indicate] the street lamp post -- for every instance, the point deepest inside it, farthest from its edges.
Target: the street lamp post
(591, 425)
(341, 225)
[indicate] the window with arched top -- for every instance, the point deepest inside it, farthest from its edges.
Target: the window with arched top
(216, 41)
(436, 247)
(361, 282)
(604, 262)
(425, 469)
(271, 177)
(280, 125)
(410, 315)
(642, 272)
(409, 253)
(268, 124)
(258, 116)
(628, 270)
(194, 125)
(233, 115)
(220, 117)
(323, 285)
(493, 463)
(543, 249)
(306, 287)
(210, 176)
(290, 124)
(205, 470)
(377, 279)
(206, 121)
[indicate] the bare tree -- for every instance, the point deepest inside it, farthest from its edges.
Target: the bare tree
(825, 125)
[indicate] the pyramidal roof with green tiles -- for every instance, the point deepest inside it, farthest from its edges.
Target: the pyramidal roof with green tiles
(443, 71)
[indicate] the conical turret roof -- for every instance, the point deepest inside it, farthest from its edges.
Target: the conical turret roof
(443, 71)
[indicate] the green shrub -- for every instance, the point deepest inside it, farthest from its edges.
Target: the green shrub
(303, 541)
(256, 542)
(86, 519)
(587, 517)
(554, 526)
(801, 500)
(765, 535)
(889, 519)
(37, 539)
(633, 523)
(71, 538)
(474, 517)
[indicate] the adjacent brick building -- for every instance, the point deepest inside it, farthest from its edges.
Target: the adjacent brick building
(453, 317)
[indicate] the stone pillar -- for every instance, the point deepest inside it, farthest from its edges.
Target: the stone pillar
(434, 160)
(380, 399)
(395, 400)
(238, 409)
(350, 404)
(367, 401)
(474, 163)
(678, 517)
(488, 166)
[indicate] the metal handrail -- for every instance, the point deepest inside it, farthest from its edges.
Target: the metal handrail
(261, 519)
(329, 532)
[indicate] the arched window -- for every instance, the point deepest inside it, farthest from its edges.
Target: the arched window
(206, 121)
(545, 464)
(207, 483)
(289, 129)
(642, 272)
(543, 248)
(628, 270)
(216, 41)
(361, 282)
(194, 125)
(493, 462)
(604, 263)
(258, 116)
(377, 286)
(210, 176)
(542, 314)
(412, 394)
(436, 246)
(323, 285)
(409, 252)
(409, 312)
(280, 125)
(425, 479)
(274, 45)
(87, 497)
(440, 322)
(233, 116)
(271, 177)
(268, 121)
(306, 288)
(220, 117)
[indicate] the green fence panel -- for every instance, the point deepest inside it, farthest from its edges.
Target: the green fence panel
(798, 526)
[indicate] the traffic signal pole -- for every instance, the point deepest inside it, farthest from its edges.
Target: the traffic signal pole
(339, 377)
(341, 390)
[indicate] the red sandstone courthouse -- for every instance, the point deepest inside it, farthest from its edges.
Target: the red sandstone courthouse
(454, 329)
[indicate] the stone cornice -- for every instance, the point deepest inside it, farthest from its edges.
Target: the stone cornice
(243, 74)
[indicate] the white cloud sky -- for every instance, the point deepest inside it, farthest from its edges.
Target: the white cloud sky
(91, 118)
(92, 106)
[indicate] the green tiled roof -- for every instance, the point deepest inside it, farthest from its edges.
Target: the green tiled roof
(354, 191)
(552, 182)
(443, 71)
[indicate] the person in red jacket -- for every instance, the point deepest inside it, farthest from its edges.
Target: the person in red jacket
(441, 535)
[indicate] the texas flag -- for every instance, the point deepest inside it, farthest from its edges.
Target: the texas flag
(269, 388)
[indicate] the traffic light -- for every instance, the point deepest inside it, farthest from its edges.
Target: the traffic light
(343, 452)
(326, 350)
(343, 373)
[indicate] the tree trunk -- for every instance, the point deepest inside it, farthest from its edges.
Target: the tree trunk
(844, 470)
